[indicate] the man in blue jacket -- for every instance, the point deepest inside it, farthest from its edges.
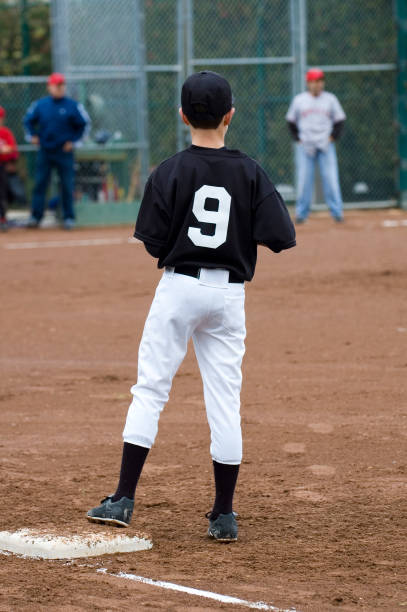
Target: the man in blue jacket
(55, 123)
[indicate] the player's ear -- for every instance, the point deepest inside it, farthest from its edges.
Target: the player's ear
(228, 117)
(183, 117)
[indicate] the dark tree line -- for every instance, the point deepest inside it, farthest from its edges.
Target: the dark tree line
(25, 43)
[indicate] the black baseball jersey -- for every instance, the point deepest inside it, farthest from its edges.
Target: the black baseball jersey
(210, 208)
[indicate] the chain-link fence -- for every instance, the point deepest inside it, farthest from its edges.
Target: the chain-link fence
(355, 43)
(125, 60)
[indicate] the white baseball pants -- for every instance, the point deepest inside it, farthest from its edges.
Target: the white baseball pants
(211, 310)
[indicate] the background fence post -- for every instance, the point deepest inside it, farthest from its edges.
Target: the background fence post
(402, 97)
(190, 51)
(59, 35)
(181, 42)
(189, 67)
(298, 20)
(142, 102)
(261, 88)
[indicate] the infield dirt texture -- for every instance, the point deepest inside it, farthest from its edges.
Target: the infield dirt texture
(322, 494)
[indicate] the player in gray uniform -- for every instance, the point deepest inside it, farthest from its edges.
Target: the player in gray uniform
(315, 119)
(203, 213)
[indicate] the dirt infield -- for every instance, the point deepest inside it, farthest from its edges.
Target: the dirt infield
(322, 496)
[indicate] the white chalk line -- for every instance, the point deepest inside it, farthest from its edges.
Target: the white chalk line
(255, 605)
(50, 244)
(394, 223)
(63, 363)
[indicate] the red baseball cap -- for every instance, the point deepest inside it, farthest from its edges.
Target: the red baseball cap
(315, 74)
(56, 78)
(2, 112)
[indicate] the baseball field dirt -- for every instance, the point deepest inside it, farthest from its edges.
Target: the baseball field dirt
(322, 493)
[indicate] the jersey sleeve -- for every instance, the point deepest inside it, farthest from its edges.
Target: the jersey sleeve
(272, 223)
(153, 221)
(30, 121)
(80, 122)
(11, 141)
(291, 115)
(338, 113)
(293, 130)
(9, 137)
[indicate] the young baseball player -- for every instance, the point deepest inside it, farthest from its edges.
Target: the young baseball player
(315, 119)
(203, 213)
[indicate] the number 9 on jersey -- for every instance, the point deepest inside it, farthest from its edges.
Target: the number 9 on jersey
(219, 218)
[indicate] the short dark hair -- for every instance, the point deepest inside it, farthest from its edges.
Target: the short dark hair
(204, 123)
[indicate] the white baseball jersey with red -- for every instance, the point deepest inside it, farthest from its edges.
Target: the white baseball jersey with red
(315, 117)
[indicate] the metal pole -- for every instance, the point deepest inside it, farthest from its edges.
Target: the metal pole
(190, 36)
(181, 69)
(261, 84)
(297, 26)
(293, 45)
(401, 16)
(189, 55)
(142, 100)
(300, 45)
(298, 50)
(60, 36)
(302, 41)
(25, 52)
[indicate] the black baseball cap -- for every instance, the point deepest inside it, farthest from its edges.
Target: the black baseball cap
(206, 96)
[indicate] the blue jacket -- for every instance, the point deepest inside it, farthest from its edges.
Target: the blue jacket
(55, 121)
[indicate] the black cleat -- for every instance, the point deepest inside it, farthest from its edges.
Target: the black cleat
(222, 527)
(117, 513)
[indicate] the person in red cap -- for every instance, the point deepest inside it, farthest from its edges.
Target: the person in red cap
(8, 153)
(315, 119)
(55, 123)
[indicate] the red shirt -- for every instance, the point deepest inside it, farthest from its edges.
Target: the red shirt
(7, 138)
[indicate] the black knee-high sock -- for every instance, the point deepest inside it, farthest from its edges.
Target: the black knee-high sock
(132, 463)
(225, 483)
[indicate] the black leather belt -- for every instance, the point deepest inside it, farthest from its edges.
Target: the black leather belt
(195, 272)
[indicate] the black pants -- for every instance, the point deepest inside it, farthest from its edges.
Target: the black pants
(3, 190)
(64, 164)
